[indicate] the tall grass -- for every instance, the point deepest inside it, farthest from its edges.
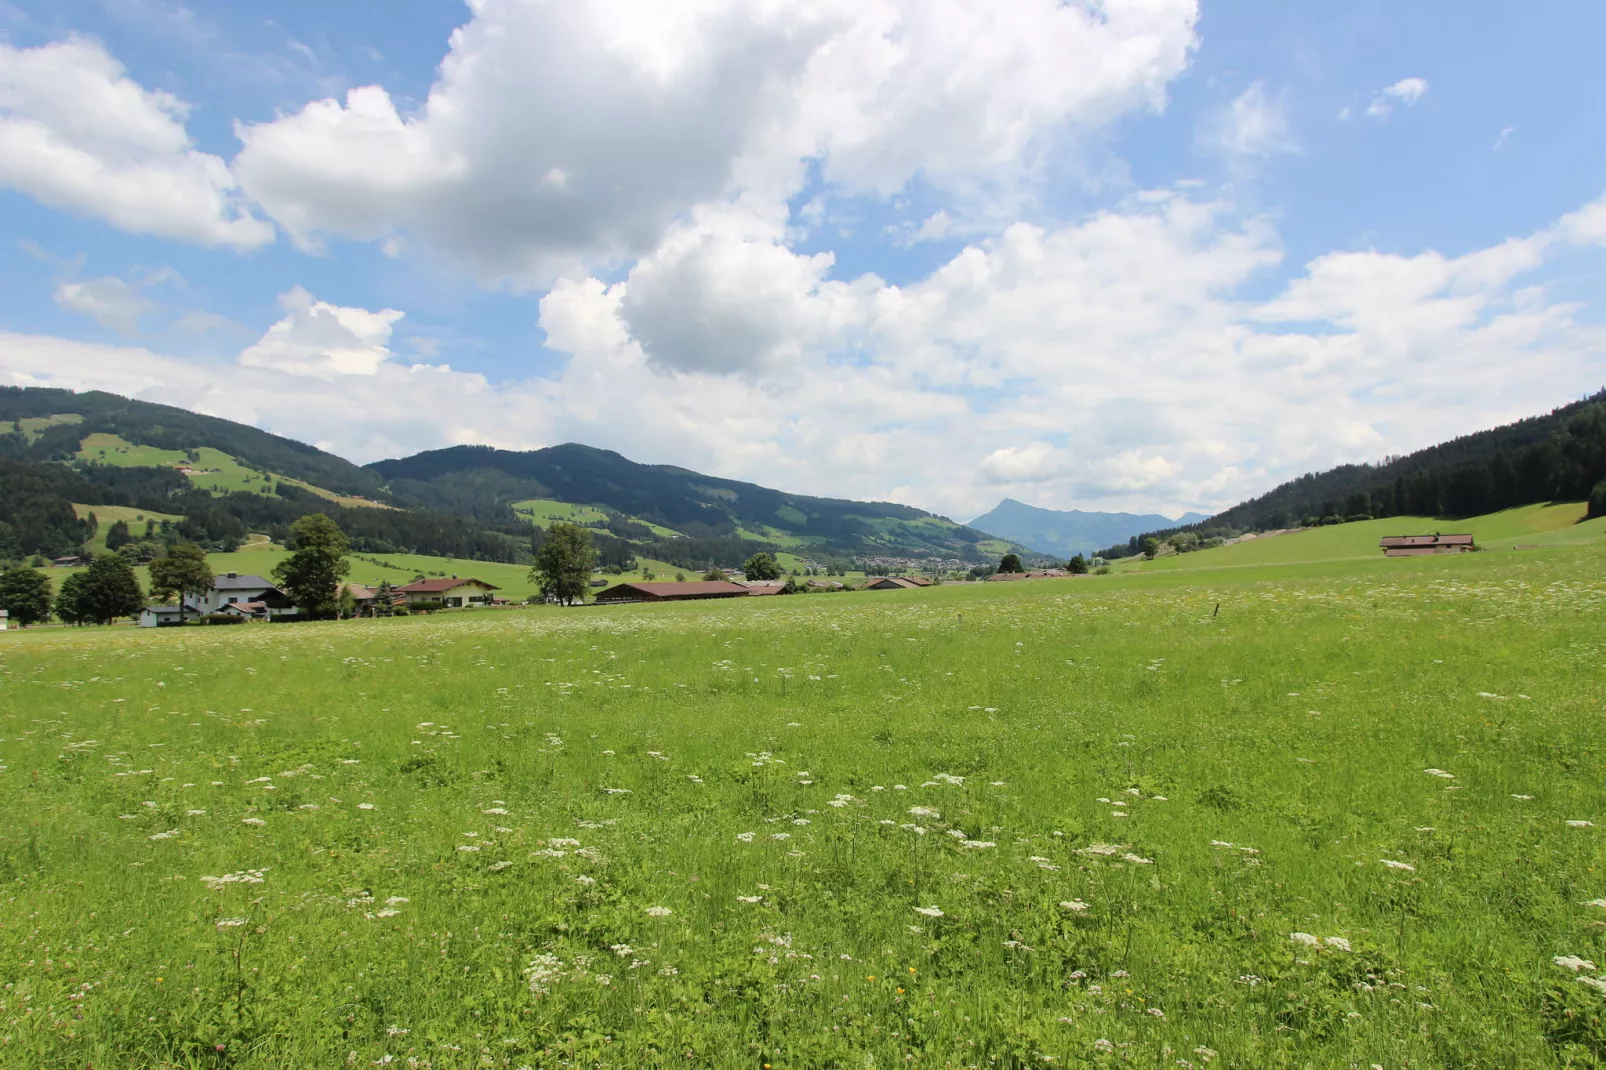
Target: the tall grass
(1065, 823)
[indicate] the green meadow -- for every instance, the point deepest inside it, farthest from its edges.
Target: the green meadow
(1347, 813)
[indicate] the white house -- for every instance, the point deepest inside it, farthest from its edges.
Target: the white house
(452, 593)
(230, 588)
(158, 616)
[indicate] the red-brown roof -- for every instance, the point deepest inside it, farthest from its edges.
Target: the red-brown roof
(1400, 542)
(887, 583)
(438, 586)
(668, 591)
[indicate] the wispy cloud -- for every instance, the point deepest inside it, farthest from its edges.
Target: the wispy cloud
(1406, 91)
(1254, 125)
(1505, 135)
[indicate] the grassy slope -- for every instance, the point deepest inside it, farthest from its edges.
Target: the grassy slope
(213, 470)
(32, 426)
(1298, 723)
(1529, 525)
(106, 515)
(544, 511)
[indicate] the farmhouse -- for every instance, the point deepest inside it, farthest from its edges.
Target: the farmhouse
(1421, 545)
(448, 593)
(890, 583)
(361, 594)
(234, 587)
(672, 592)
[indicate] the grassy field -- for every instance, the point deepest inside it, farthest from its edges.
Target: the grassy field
(106, 515)
(1531, 526)
(1348, 818)
(211, 470)
(544, 511)
(33, 426)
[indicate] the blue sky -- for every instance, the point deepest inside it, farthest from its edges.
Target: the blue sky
(1160, 256)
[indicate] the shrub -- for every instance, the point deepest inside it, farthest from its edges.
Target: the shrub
(1597, 500)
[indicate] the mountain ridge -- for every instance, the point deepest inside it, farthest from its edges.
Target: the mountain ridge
(1066, 532)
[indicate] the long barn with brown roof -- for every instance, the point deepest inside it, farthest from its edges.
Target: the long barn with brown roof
(1421, 545)
(672, 592)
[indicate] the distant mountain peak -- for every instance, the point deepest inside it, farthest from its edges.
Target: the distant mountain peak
(1065, 532)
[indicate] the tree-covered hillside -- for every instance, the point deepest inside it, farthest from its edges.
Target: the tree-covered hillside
(485, 482)
(164, 426)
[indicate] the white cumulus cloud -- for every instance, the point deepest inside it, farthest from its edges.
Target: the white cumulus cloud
(77, 133)
(563, 135)
(322, 340)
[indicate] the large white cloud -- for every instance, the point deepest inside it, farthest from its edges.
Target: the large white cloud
(77, 133)
(323, 341)
(1108, 363)
(567, 133)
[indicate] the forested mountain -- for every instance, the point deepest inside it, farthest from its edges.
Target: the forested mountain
(483, 482)
(227, 480)
(1560, 456)
(1068, 532)
(165, 427)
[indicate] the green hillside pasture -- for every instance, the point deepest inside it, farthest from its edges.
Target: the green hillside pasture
(34, 426)
(212, 470)
(1537, 525)
(545, 511)
(1350, 820)
(107, 515)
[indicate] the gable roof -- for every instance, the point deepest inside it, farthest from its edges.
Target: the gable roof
(666, 589)
(235, 581)
(1393, 542)
(440, 586)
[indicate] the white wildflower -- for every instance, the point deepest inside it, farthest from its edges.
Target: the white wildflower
(495, 810)
(1075, 906)
(749, 898)
(168, 835)
(1337, 942)
(1389, 862)
(659, 912)
(1580, 824)
(562, 841)
(930, 912)
(365, 806)
(388, 912)
(1573, 962)
(585, 880)
(257, 821)
(1440, 773)
(1137, 860)
(231, 923)
(1598, 984)
(977, 845)
(1304, 939)
(745, 837)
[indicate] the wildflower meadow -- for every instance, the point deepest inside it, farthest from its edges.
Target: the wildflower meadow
(1335, 816)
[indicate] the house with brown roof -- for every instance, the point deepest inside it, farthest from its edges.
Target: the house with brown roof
(891, 583)
(447, 593)
(1422, 545)
(664, 591)
(1035, 574)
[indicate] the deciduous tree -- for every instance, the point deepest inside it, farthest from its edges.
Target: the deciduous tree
(563, 563)
(1010, 563)
(762, 566)
(311, 576)
(182, 571)
(25, 595)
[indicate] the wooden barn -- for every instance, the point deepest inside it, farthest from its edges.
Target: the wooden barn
(1421, 545)
(672, 592)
